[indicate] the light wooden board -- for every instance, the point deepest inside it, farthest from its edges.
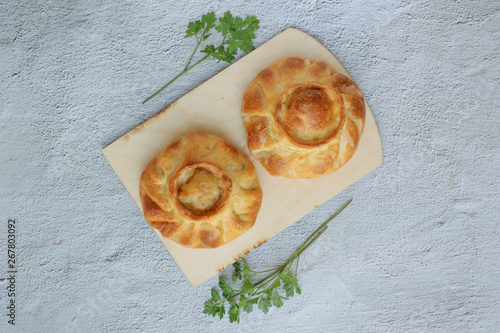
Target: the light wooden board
(214, 107)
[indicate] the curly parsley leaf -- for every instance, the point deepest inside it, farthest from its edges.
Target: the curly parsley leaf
(221, 311)
(215, 296)
(248, 306)
(289, 289)
(264, 305)
(234, 315)
(276, 299)
(247, 287)
(227, 291)
(209, 308)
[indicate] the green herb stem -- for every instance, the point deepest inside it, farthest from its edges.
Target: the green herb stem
(198, 43)
(175, 78)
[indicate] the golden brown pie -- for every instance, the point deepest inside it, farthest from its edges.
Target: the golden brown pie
(200, 192)
(302, 118)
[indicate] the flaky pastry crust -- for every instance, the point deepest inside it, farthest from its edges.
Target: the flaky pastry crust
(200, 192)
(302, 118)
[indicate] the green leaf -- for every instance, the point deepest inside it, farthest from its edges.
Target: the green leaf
(221, 311)
(297, 289)
(276, 284)
(242, 301)
(249, 304)
(227, 291)
(234, 315)
(247, 287)
(209, 20)
(238, 272)
(225, 23)
(289, 289)
(264, 305)
(193, 28)
(246, 268)
(220, 53)
(238, 23)
(228, 17)
(276, 299)
(288, 278)
(245, 263)
(215, 296)
(209, 308)
(232, 47)
(246, 45)
(209, 49)
(222, 282)
(252, 22)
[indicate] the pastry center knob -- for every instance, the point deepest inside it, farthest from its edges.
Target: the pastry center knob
(310, 115)
(200, 190)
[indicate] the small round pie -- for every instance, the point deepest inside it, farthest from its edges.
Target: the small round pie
(302, 118)
(200, 192)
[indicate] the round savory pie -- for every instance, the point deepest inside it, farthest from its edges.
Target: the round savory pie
(302, 118)
(200, 192)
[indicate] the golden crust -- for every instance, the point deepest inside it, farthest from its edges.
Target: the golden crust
(200, 192)
(302, 118)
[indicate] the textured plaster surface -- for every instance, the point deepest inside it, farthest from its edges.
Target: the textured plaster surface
(417, 251)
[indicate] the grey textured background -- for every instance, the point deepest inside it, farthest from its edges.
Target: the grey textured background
(417, 251)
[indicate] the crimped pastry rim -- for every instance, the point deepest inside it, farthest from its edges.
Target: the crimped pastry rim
(171, 221)
(268, 144)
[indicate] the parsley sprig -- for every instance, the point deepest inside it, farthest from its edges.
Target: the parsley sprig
(265, 293)
(237, 34)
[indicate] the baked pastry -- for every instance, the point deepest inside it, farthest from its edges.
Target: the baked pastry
(200, 192)
(302, 118)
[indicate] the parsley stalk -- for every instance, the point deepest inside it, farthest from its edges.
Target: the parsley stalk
(186, 69)
(267, 291)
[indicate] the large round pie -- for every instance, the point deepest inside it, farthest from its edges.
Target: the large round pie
(200, 192)
(302, 118)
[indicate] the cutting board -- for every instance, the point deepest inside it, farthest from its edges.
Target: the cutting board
(214, 107)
